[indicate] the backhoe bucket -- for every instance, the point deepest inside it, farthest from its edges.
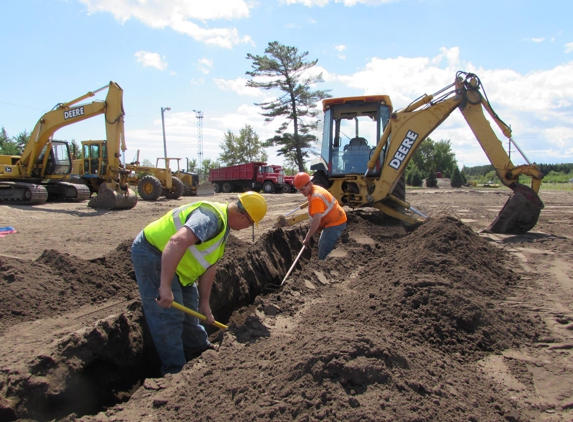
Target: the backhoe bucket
(520, 212)
(111, 200)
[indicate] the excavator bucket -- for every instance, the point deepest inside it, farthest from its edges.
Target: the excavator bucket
(111, 200)
(520, 212)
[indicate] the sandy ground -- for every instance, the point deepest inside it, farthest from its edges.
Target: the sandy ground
(439, 323)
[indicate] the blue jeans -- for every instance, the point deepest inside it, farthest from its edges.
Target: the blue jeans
(328, 239)
(174, 333)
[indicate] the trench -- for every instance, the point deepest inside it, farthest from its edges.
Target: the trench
(102, 365)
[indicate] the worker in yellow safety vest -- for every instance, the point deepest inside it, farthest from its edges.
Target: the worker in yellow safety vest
(175, 259)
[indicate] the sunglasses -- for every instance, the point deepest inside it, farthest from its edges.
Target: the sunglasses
(244, 212)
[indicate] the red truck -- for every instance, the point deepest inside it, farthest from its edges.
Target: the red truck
(255, 176)
(288, 186)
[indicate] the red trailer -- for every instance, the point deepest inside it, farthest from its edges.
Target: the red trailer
(254, 176)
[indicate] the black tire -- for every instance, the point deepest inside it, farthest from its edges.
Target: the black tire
(149, 188)
(268, 187)
(227, 187)
(217, 188)
(177, 190)
(286, 188)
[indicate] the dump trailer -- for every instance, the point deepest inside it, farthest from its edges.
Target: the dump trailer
(253, 176)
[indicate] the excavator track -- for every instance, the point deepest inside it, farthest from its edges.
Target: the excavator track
(18, 193)
(65, 191)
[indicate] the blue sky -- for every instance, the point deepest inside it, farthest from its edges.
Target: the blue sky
(191, 55)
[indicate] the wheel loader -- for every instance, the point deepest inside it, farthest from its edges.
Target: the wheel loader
(44, 170)
(366, 146)
(151, 182)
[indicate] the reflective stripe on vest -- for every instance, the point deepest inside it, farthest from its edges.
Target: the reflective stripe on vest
(197, 258)
(329, 204)
(198, 254)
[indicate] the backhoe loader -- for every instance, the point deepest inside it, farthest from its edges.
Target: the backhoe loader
(366, 147)
(44, 170)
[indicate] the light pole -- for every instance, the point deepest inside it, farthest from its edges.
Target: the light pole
(163, 109)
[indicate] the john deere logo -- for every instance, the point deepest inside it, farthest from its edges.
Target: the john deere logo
(403, 150)
(74, 112)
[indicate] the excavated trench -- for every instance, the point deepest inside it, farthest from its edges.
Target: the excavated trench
(107, 356)
(75, 339)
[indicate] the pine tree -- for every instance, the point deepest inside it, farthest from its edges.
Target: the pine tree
(431, 180)
(282, 68)
(456, 180)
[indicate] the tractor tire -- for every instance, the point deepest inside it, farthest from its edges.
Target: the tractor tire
(286, 188)
(268, 187)
(177, 190)
(216, 188)
(149, 188)
(227, 187)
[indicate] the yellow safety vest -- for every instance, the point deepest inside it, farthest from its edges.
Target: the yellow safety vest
(197, 258)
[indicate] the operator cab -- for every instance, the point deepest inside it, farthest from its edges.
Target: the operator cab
(350, 132)
(58, 161)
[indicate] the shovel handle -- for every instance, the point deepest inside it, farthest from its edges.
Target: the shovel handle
(293, 264)
(197, 315)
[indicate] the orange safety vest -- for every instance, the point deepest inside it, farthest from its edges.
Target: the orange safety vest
(322, 201)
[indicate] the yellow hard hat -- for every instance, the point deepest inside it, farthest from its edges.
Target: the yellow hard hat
(254, 204)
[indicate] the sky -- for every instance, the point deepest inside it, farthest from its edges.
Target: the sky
(191, 56)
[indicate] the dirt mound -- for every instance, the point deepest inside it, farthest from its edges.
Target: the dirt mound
(389, 327)
(56, 283)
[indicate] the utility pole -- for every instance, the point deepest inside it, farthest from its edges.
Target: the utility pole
(199, 116)
(163, 110)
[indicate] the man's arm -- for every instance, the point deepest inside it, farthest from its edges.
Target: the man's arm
(172, 254)
(205, 286)
(314, 224)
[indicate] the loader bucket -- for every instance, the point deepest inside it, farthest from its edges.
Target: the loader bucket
(520, 212)
(111, 200)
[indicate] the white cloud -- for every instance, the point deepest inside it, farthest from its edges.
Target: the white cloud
(537, 40)
(340, 48)
(205, 65)
(149, 59)
(239, 86)
(537, 105)
(569, 47)
(180, 15)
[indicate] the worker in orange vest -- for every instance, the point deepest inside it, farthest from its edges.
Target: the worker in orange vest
(326, 214)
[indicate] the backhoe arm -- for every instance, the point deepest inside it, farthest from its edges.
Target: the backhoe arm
(409, 127)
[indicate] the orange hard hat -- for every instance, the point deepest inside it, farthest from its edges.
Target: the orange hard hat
(301, 179)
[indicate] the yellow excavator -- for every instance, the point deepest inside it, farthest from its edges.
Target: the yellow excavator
(44, 170)
(366, 147)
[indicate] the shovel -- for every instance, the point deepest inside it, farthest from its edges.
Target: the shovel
(277, 286)
(197, 315)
